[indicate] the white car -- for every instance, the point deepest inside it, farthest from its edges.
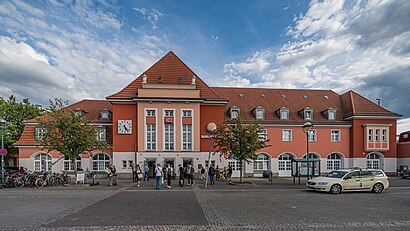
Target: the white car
(348, 180)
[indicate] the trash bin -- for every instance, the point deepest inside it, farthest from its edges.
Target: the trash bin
(113, 180)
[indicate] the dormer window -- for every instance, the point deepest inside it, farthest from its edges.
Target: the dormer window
(105, 114)
(308, 114)
(284, 113)
(259, 113)
(234, 112)
(40, 133)
(330, 114)
(79, 112)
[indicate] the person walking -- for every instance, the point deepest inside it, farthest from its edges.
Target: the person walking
(169, 175)
(158, 177)
(202, 173)
(229, 174)
(192, 174)
(146, 170)
(134, 173)
(139, 175)
(211, 173)
(181, 175)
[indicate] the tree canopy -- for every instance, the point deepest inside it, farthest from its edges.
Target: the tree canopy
(15, 113)
(68, 133)
(238, 140)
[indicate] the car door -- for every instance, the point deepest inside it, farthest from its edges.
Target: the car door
(351, 181)
(366, 180)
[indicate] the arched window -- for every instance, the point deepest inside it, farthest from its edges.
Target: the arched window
(101, 161)
(373, 161)
(285, 162)
(334, 161)
(42, 162)
(312, 156)
(68, 166)
(261, 163)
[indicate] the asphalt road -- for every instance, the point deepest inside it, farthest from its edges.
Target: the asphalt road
(256, 206)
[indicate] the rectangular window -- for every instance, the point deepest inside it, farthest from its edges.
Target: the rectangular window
(370, 135)
(169, 137)
(377, 135)
(186, 137)
(40, 133)
(186, 113)
(384, 135)
(263, 134)
(259, 114)
(150, 112)
(335, 135)
(332, 115)
(100, 133)
(312, 135)
(130, 163)
(169, 113)
(308, 115)
(151, 137)
(284, 114)
(124, 164)
(234, 113)
(286, 135)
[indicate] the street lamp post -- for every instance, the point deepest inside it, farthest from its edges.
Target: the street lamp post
(211, 128)
(3, 124)
(307, 127)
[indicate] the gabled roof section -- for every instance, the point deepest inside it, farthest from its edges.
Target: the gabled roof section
(357, 105)
(273, 99)
(172, 72)
(92, 109)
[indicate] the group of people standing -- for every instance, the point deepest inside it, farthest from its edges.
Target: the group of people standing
(164, 175)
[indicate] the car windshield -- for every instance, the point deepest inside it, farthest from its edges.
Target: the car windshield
(337, 174)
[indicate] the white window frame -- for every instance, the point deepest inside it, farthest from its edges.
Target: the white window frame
(151, 133)
(370, 135)
(263, 134)
(285, 162)
(187, 113)
(259, 113)
(384, 135)
(100, 133)
(166, 134)
(124, 164)
(377, 135)
(284, 114)
(306, 112)
(40, 133)
(187, 144)
(333, 137)
(105, 162)
(235, 112)
(130, 163)
(331, 115)
(68, 165)
(373, 160)
(261, 163)
(334, 163)
(48, 161)
(153, 145)
(105, 114)
(312, 135)
(182, 128)
(284, 137)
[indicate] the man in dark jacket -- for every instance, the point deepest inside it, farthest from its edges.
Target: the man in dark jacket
(181, 176)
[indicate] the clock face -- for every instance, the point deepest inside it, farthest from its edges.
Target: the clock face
(124, 126)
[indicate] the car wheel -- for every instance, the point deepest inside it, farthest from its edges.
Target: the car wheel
(378, 188)
(335, 189)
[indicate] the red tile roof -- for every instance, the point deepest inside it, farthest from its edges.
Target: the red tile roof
(170, 68)
(273, 99)
(357, 105)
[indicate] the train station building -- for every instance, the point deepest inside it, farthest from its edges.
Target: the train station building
(162, 116)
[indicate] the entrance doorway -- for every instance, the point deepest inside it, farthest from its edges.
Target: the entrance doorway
(186, 162)
(151, 166)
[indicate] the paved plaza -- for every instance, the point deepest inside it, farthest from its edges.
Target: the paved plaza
(255, 206)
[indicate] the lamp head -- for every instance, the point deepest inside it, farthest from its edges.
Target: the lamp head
(3, 123)
(307, 126)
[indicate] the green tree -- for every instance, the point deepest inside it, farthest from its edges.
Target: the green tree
(15, 113)
(238, 140)
(68, 133)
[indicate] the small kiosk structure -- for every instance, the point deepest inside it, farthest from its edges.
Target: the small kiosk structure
(299, 168)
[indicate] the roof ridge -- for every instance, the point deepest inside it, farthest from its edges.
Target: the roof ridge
(266, 88)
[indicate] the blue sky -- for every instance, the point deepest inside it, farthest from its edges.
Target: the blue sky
(91, 49)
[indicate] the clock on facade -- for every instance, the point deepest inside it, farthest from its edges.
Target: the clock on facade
(124, 126)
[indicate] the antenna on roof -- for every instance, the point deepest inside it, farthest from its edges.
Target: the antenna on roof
(378, 101)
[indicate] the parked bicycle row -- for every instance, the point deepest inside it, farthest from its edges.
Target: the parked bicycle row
(33, 179)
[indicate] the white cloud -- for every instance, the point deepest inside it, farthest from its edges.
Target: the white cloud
(403, 125)
(152, 15)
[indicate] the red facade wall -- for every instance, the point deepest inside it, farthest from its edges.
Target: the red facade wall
(124, 142)
(403, 150)
(209, 114)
